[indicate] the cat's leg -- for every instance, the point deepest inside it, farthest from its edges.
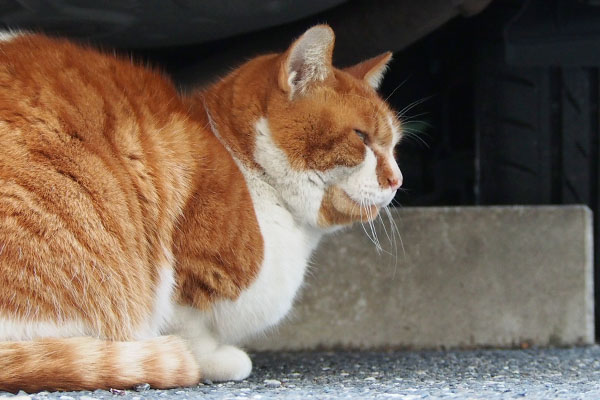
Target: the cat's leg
(217, 361)
(222, 363)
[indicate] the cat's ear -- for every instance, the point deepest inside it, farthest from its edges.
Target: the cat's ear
(371, 70)
(308, 60)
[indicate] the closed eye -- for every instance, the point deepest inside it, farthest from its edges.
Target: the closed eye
(362, 135)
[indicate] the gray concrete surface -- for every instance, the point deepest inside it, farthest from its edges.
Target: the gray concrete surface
(458, 277)
(483, 374)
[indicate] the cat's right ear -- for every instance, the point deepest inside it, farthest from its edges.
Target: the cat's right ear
(371, 70)
(308, 60)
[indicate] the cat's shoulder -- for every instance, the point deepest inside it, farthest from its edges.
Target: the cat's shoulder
(34, 65)
(31, 51)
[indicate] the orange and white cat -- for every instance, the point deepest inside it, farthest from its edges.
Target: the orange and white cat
(129, 211)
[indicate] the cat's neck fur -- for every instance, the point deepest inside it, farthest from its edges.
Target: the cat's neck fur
(233, 106)
(232, 109)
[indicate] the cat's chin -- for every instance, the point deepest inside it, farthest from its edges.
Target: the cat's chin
(338, 208)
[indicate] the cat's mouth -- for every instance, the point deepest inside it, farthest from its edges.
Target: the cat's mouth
(353, 207)
(338, 208)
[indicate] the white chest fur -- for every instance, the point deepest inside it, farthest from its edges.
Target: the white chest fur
(287, 248)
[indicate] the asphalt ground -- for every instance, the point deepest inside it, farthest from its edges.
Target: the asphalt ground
(572, 373)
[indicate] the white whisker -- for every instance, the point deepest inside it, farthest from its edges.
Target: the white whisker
(412, 105)
(363, 225)
(413, 135)
(373, 230)
(395, 227)
(387, 234)
(396, 88)
(394, 231)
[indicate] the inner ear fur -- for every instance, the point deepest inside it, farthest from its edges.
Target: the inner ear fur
(307, 60)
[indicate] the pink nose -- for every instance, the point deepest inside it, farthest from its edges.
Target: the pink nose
(395, 182)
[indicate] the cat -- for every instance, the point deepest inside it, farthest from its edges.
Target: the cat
(145, 233)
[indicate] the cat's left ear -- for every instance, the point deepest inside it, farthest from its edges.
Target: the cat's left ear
(308, 60)
(371, 70)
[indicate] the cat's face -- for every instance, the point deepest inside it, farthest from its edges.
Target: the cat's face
(328, 139)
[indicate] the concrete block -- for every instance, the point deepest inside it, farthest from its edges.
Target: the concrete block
(467, 277)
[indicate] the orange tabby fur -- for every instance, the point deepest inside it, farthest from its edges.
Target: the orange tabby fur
(90, 195)
(108, 175)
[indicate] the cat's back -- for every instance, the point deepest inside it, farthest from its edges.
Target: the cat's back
(55, 81)
(115, 128)
(94, 166)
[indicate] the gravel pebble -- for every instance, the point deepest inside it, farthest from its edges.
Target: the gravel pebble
(272, 383)
(17, 397)
(142, 387)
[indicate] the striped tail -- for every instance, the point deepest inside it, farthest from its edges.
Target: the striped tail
(85, 363)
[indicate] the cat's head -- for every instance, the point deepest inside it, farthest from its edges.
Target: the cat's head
(322, 136)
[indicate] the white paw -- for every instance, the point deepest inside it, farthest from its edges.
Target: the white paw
(225, 363)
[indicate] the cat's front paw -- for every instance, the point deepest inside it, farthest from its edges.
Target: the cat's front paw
(225, 363)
